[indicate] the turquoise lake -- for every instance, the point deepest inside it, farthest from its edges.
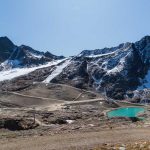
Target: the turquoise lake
(125, 112)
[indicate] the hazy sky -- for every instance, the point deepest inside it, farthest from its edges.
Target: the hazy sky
(69, 26)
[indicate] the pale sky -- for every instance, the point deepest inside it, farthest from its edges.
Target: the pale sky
(66, 27)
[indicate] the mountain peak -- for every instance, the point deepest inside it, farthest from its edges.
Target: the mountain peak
(4, 38)
(6, 48)
(6, 43)
(24, 55)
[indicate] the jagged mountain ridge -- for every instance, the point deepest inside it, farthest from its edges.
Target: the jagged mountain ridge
(117, 70)
(13, 56)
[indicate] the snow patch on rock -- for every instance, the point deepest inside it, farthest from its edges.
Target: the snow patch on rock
(16, 72)
(57, 71)
(34, 55)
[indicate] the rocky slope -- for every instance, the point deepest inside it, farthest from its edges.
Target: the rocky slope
(116, 70)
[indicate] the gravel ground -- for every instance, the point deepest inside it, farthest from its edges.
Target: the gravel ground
(78, 140)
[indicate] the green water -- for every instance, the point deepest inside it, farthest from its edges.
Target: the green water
(125, 112)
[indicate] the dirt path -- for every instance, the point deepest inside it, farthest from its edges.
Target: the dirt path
(76, 140)
(23, 95)
(85, 101)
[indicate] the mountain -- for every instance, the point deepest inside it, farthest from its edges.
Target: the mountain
(6, 48)
(118, 70)
(12, 56)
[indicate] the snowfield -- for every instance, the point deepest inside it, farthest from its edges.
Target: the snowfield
(16, 72)
(57, 71)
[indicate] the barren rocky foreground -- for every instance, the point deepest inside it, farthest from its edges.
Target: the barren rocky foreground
(55, 116)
